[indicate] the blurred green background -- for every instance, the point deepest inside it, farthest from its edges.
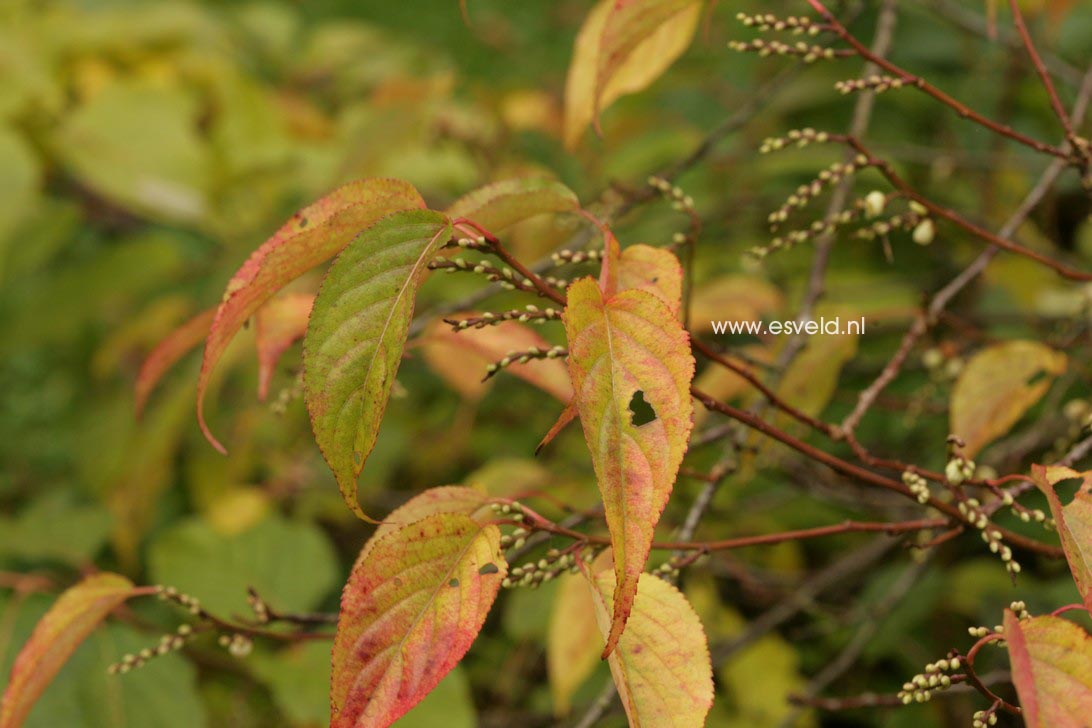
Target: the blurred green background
(147, 147)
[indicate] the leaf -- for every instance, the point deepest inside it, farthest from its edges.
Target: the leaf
(358, 329)
(1074, 522)
(461, 357)
(654, 270)
(733, 298)
(313, 235)
(409, 613)
(291, 563)
(661, 665)
(167, 353)
(620, 51)
(619, 346)
(997, 386)
(572, 641)
(278, 324)
(443, 499)
(1052, 669)
(502, 204)
(68, 622)
(811, 380)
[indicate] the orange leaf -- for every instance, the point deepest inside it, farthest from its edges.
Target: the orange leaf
(167, 353)
(57, 635)
(461, 357)
(1074, 522)
(408, 615)
(620, 346)
(278, 324)
(661, 665)
(1052, 669)
(313, 235)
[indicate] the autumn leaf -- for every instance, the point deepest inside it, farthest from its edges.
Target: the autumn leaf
(573, 642)
(733, 298)
(57, 635)
(442, 499)
(167, 353)
(624, 350)
(358, 330)
(621, 49)
(278, 324)
(461, 357)
(997, 386)
(312, 236)
(409, 613)
(661, 665)
(642, 267)
(1051, 661)
(505, 203)
(1074, 522)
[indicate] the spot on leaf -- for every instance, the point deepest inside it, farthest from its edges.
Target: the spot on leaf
(453, 583)
(489, 568)
(641, 411)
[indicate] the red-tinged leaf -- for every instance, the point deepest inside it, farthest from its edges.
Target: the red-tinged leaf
(1051, 661)
(408, 615)
(1074, 522)
(167, 353)
(567, 415)
(357, 333)
(573, 642)
(661, 665)
(620, 346)
(312, 236)
(278, 325)
(443, 499)
(622, 50)
(57, 635)
(461, 357)
(502, 204)
(643, 267)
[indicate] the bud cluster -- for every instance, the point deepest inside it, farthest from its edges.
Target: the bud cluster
(805, 193)
(238, 645)
(508, 279)
(917, 485)
(939, 367)
(984, 718)
(817, 229)
(576, 256)
(797, 137)
(528, 314)
(522, 357)
(167, 643)
(809, 53)
(546, 569)
(972, 512)
(679, 199)
(478, 243)
(170, 594)
(920, 688)
(1025, 514)
(797, 24)
(959, 470)
(879, 84)
(1020, 609)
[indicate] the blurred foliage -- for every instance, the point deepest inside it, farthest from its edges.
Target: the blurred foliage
(146, 147)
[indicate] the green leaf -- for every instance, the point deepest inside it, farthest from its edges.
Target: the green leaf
(357, 333)
(623, 348)
(1052, 669)
(291, 564)
(409, 613)
(53, 527)
(502, 204)
(312, 236)
(67, 623)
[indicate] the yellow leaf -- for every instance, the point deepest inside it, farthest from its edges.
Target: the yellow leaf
(572, 642)
(620, 52)
(1052, 669)
(732, 298)
(998, 385)
(661, 665)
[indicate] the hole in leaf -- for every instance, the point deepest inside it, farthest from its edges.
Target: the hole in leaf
(641, 411)
(489, 568)
(1036, 378)
(1067, 489)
